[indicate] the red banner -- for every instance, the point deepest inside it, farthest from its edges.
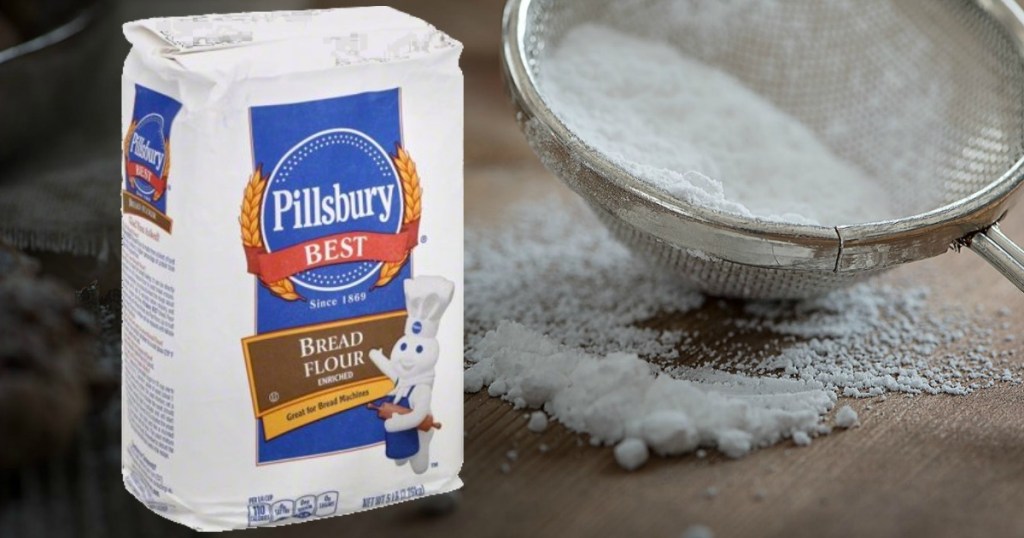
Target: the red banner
(141, 172)
(330, 250)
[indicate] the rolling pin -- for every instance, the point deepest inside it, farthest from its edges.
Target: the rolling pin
(386, 410)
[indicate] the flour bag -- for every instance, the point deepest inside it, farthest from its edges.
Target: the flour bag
(292, 259)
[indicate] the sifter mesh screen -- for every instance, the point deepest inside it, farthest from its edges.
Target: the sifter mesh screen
(927, 96)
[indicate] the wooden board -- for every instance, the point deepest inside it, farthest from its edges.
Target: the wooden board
(924, 465)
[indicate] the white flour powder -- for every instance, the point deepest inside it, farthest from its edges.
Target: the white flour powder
(538, 422)
(699, 134)
(620, 395)
(547, 273)
(558, 318)
(846, 417)
(631, 454)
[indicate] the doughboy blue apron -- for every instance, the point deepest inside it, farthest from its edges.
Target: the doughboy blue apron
(406, 443)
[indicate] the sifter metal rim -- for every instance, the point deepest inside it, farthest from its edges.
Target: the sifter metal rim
(735, 238)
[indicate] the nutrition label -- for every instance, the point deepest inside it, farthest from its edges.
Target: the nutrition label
(266, 509)
(144, 480)
(148, 303)
(151, 405)
(148, 294)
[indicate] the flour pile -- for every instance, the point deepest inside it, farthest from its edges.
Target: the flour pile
(562, 318)
(875, 338)
(619, 396)
(699, 134)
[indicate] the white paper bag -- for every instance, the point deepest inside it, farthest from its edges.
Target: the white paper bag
(292, 236)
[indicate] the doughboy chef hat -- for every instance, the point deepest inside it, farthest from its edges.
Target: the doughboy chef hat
(426, 297)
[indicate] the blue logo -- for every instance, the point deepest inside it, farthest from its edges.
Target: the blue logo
(148, 149)
(335, 181)
(147, 153)
(331, 179)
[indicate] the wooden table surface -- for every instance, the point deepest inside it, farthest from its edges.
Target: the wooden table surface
(924, 465)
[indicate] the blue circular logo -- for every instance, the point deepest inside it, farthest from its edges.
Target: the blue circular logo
(417, 327)
(149, 149)
(334, 182)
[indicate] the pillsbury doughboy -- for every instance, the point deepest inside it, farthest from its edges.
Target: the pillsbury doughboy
(408, 422)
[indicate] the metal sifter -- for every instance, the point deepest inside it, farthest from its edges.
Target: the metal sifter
(926, 95)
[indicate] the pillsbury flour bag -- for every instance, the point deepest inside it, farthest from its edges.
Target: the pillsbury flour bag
(292, 238)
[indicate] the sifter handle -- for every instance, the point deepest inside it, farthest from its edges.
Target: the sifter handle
(1003, 254)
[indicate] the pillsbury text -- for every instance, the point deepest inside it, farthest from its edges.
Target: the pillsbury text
(140, 148)
(309, 208)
